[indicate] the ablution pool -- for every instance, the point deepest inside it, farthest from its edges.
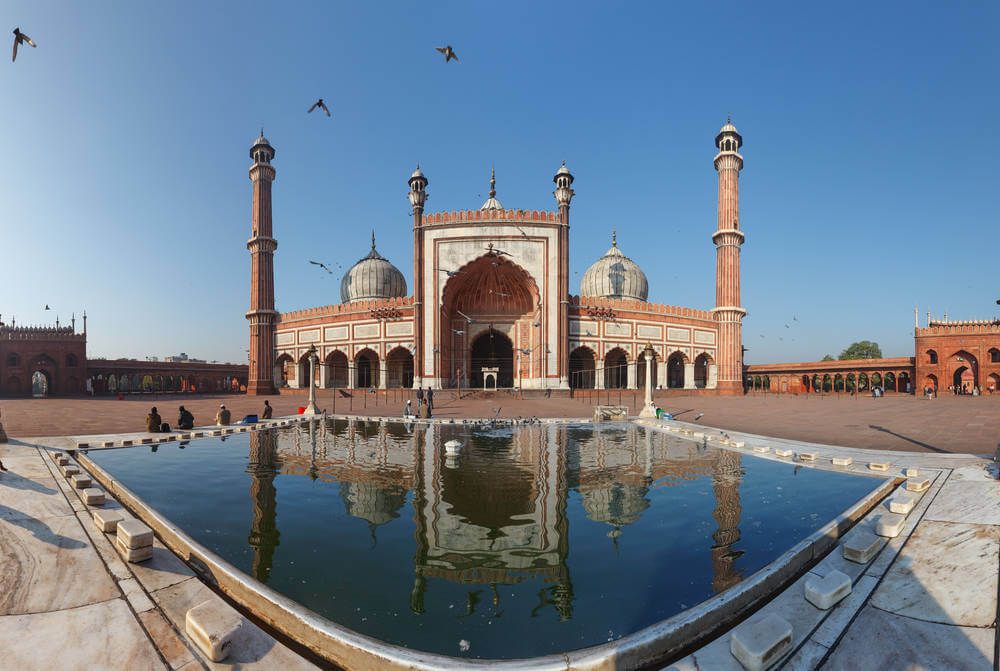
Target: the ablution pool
(535, 540)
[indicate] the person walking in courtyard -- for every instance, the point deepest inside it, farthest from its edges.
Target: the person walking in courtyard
(153, 421)
(420, 397)
(430, 400)
(224, 417)
(185, 420)
(268, 410)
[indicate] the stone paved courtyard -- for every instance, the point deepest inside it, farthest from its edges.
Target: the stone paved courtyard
(948, 424)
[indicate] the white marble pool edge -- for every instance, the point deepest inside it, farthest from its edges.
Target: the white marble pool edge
(350, 649)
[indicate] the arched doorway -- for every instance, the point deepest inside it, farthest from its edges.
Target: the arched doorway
(492, 349)
(675, 370)
(615, 369)
(903, 382)
(582, 368)
(281, 370)
(490, 307)
(399, 368)
(963, 379)
(965, 371)
(336, 370)
(931, 381)
(302, 374)
(701, 364)
(992, 382)
(366, 369)
(40, 384)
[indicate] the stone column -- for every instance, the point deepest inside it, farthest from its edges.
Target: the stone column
(383, 374)
(648, 407)
(661, 375)
(713, 376)
(350, 375)
(631, 382)
(599, 376)
(324, 375)
(311, 408)
(689, 376)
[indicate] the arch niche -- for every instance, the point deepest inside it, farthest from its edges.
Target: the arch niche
(964, 368)
(43, 376)
(582, 368)
(675, 370)
(336, 369)
(366, 369)
(701, 364)
(489, 309)
(616, 369)
(399, 368)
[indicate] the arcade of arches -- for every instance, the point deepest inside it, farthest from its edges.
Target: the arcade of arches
(620, 371)
(336, 371)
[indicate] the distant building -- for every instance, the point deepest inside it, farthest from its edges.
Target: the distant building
(52, 361)
(948, 355)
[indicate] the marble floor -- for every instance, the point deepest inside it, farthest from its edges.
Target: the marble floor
(927, 600)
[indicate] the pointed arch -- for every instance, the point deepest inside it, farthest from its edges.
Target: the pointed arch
(582, 368)
(616, 368)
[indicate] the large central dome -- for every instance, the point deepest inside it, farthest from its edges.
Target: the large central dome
(615, 275)
(372, 277)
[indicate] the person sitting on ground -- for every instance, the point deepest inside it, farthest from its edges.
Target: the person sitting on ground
(423, 412)
(185, 420)
(267, 411)
(153, 421)
(224, 417)
(408, 409)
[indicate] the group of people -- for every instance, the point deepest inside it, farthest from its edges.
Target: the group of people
(964, 389)
(185, 420)
(425, 405)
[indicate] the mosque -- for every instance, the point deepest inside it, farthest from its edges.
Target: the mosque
(492, 306)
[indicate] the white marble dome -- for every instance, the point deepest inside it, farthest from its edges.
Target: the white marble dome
(615, 275)
(372, 277)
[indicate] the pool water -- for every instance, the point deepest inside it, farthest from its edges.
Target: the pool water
(534, 540)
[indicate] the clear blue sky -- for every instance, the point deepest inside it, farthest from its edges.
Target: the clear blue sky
(870, 145)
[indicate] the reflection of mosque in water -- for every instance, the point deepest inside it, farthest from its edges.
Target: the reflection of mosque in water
(498, 513)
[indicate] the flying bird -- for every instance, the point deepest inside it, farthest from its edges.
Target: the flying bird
(46, 306)
(20, 38)
(699, 416)
(787, 326)
(320, 104)
(500, 293)
(449, 273)
(458, 331)
(321, 265)
(497, 252)
(794, 318)
(449, 53)
(466, 317)
(523, 350)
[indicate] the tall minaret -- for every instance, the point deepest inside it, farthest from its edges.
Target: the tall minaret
(418, 196)
(564, 194)
(728, 239)
(262, 244)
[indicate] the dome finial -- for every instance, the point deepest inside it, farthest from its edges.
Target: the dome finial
(492, 203)
(373, 239)
(493, 182)
(614, 237)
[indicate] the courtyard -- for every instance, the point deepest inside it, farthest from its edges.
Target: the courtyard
(948, 424)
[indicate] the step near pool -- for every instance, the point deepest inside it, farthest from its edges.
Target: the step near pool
(485, 542)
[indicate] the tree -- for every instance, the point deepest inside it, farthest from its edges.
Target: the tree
(864, 349)
(827, 358)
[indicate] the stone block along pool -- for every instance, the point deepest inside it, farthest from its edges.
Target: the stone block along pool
(534, 540)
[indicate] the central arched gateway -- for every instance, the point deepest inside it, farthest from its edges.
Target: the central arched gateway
(490, 317)
(492, 350)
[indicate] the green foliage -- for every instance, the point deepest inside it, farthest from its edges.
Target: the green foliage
(864, 349)
(827, 358)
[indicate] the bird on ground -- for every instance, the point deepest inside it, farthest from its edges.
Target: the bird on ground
(21, 38)
(449, 273)
(449, 53)
(699, 416)
(321, 265)
(320, 104)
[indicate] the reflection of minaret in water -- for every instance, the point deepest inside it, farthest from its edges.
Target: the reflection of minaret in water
(263, 530)
(727, 474)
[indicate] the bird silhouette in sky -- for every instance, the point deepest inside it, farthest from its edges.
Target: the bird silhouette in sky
(449, 53)
(321, 265)
(794, 318)
(47, 306)
(449, 273)
(787, 326)
(320, 104)
(20, 38)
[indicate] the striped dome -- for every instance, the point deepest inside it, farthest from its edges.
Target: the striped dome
(372, 277)
(615, 275)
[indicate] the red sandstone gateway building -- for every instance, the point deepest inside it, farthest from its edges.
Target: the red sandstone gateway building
(948, 355)
(52, 361)
(492, 305)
